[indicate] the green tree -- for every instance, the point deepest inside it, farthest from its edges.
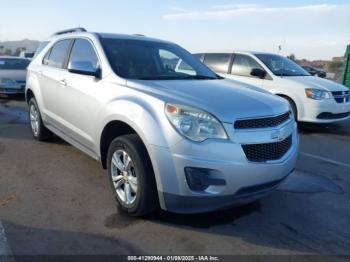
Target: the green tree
(17, 52)
(335, 67)
(8, 51)
(292, 57)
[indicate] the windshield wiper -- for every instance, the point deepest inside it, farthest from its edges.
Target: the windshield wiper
(176, 77)
(290, 75)
(157, 78)
(199, 77)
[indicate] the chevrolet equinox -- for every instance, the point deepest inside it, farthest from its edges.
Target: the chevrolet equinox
(182, 139)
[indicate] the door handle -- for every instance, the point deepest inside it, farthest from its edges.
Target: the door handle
(63, 82)
(40, 74)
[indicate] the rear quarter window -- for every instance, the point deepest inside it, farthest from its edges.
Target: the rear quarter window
(218, 62)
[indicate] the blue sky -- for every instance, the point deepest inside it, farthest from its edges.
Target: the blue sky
(310, 29)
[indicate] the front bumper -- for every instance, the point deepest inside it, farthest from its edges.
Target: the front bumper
(245, 181)
(202, 204)
(324, 111)
(18, 89)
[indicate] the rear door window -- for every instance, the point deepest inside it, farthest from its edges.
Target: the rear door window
(218, 62)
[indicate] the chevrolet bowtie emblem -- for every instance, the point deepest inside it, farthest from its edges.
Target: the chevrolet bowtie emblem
(278, 135)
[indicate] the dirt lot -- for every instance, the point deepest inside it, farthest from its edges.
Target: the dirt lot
(56, 200)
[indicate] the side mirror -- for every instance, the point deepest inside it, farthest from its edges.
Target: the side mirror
(84, 68)
(258, 72)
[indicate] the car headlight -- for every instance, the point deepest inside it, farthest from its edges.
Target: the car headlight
(195, 124)
(317, 94)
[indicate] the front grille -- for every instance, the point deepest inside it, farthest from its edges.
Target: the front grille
(341, 96)
(262, 122)
(268, 151)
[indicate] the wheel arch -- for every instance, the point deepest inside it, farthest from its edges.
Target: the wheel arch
(29, 94)
(33, 89)
(136, 116)
(289, 98)
(117, 128)
(113, 129)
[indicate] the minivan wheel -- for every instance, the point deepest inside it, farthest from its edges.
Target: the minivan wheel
(131, 175)
(39, 131)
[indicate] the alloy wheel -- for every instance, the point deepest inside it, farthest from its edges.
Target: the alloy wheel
(34, 119)
(124, 177)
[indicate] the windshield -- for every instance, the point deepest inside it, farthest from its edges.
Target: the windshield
(147, 60)
(282, 66)
(13, 64)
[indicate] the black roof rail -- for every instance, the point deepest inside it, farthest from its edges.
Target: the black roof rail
(71, 30)
(139, 35)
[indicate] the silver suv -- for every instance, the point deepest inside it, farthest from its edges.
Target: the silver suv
(182, 139)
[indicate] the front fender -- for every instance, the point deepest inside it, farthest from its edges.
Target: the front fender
(149, 122)
(146, 118)
(294, 96)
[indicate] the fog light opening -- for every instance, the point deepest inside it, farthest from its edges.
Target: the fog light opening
(199, 179)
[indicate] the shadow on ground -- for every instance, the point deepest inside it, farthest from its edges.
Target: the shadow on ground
(339, 128)
(24, 240)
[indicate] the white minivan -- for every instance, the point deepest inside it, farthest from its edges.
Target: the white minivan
(312, 99)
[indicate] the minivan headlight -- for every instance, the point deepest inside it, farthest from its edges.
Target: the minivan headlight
(195, 124)
(317, 94)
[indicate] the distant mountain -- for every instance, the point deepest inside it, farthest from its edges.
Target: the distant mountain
(30, 45)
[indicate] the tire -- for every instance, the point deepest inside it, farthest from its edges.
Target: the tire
(39, 131)
(136, 191)
(293, 106)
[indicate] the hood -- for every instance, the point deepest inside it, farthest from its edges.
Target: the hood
(246, 85)
(227, 100)
(316, 82)
(17, 75)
